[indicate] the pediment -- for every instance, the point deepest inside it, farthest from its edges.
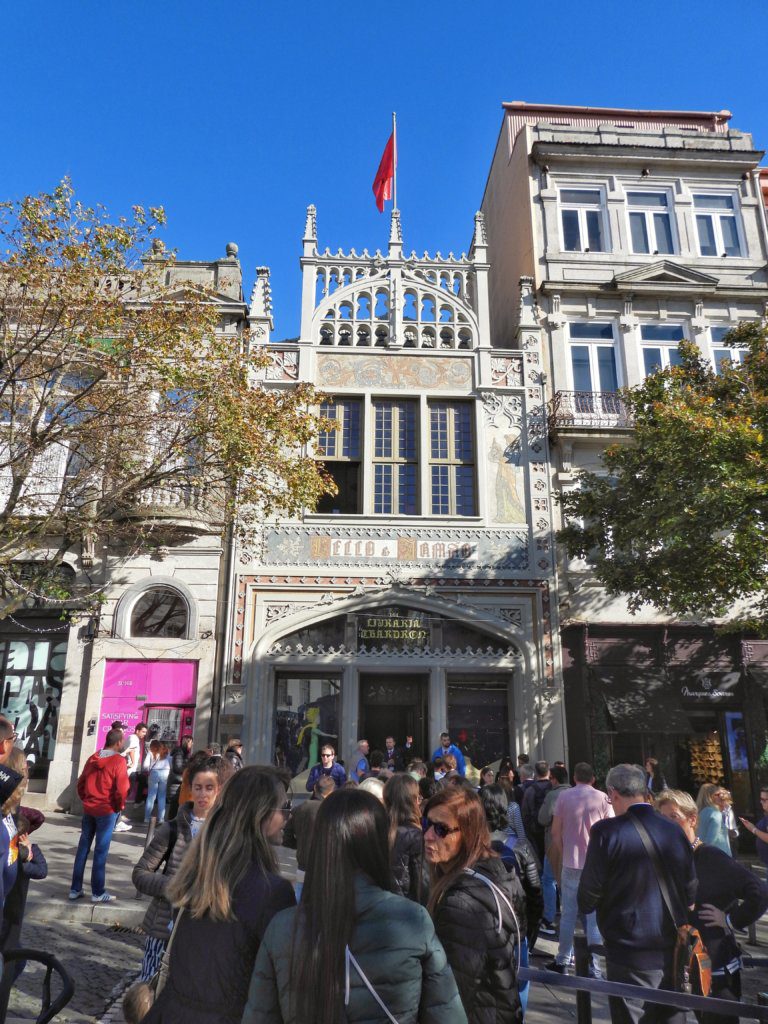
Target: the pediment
(666, 273)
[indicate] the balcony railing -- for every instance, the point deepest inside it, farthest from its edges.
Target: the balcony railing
(591, 410)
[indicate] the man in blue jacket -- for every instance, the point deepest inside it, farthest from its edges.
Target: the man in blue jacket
(327, 766)
(446, 747)
(620, 882)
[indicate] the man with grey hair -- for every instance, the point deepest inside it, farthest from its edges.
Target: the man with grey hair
(8, 738)
(636, 863)
(575, 812)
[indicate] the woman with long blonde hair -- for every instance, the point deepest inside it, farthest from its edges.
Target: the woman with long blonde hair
(712, 828)
(226, 891)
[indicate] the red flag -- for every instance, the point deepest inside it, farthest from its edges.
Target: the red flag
(382, 183)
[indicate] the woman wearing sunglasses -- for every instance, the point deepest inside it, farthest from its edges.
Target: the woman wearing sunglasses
(477, 905)
(352, 950)
(226, 892)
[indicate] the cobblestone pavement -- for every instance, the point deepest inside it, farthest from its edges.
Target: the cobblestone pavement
(101, 946)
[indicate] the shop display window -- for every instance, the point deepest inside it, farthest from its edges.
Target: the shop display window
(306, 715)
(32, 674)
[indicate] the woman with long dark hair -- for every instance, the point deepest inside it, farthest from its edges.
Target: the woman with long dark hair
(352, 950)
(226, 891)
(406, 839)
(477, 905)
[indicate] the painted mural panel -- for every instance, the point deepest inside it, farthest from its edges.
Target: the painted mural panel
(506, 474)
(393, 371)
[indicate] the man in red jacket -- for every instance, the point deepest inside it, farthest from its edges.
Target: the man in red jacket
(103, 787)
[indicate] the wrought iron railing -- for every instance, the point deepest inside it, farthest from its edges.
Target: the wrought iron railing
(589, 409)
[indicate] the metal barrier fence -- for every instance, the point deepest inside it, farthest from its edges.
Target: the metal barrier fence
(585, 987)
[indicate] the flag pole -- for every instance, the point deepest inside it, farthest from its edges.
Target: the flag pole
(394, 177)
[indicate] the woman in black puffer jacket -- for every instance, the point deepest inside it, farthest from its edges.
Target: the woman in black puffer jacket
(406, 839)
(477, 905)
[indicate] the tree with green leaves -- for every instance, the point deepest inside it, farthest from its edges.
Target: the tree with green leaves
(128, 409)
(679, 518)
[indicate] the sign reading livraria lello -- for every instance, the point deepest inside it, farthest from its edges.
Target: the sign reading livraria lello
(398, 629)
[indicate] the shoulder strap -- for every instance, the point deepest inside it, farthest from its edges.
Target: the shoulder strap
(653, 853)
(499, 894)
(174, 826)
(350, 959)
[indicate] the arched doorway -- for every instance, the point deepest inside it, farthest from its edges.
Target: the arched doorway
(392, 668)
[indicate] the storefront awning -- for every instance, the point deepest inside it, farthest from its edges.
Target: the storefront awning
(639, 701)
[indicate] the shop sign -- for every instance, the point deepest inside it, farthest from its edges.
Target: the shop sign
(372, 629)
(710, 688)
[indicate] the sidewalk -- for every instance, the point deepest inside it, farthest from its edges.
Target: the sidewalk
(101, 947)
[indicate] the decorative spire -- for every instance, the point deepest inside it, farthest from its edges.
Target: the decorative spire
(310, 228)
(480, 237)
(395, 236)
(261, 296)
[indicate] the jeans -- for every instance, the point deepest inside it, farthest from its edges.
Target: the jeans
(101, 827)
(549, 891)
(157, 786)
(569, 912)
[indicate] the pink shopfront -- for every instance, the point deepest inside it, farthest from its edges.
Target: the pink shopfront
(160, 693)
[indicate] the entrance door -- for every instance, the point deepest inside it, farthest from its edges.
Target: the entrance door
(394, 705)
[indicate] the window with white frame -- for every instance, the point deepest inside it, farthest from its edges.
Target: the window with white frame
(722, 353)
(340, 449)
(717, 224)
(593, 357)
(650, 225)
(659, 346)
(582, 218)
(452, 458)
(395, 457)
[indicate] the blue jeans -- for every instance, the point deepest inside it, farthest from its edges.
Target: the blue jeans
(549, 891)
(157, 784)
(569, 912)
(101, 827)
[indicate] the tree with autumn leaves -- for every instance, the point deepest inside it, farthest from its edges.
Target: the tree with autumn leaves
(124, 405)
(679, 519)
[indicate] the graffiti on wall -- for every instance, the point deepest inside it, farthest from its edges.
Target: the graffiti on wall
(32, 674)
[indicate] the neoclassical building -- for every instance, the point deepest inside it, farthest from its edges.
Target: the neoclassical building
(638, 228)
(420, 596)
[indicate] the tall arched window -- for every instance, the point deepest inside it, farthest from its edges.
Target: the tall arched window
(160, 612)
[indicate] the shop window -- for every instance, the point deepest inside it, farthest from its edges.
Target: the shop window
(160, 612)
(340, 449)
(306, 715)
(32, 672)
(478, 717)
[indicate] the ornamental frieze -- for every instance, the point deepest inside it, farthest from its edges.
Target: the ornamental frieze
(447, 549)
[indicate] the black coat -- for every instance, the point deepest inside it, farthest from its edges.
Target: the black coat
(179, 761)
(212, 961)
(620, 883)
(533, 798)
(409, 867)
(528, 871)
(731, 887)
(484, 960)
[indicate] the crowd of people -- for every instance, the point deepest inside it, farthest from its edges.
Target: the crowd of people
(420, 891)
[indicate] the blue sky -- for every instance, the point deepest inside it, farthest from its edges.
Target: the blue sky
(236, 115)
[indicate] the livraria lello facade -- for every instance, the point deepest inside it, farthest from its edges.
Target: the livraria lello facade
(466, 391)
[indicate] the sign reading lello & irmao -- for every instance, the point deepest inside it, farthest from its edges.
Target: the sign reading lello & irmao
(403, 549)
